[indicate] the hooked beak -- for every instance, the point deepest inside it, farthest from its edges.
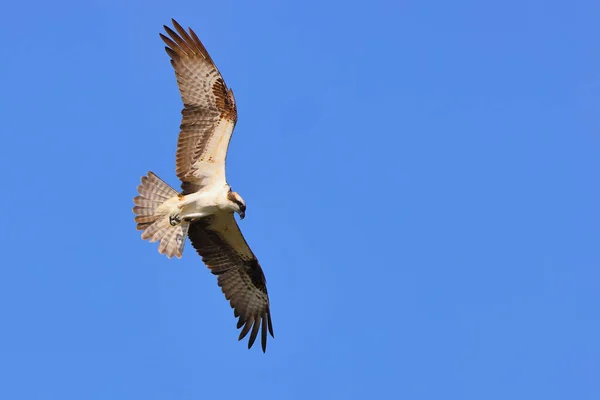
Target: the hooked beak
(242, 214)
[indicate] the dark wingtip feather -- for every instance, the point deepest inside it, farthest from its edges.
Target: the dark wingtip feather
(263, 334)
(171, 32)
(168, 41)
(176, 24)
(254, 333)
(172, 54)
(270, 324)
(200, 45)
(184, 35)
(182, 40)
(245, 330)
(193, 35)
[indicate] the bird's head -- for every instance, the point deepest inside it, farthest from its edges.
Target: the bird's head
(238, 204)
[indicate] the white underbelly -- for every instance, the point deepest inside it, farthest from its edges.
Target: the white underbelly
(198, 205)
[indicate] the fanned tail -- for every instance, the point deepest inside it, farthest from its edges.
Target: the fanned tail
(155, 210)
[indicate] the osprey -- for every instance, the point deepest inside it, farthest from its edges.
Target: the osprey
(204, 209)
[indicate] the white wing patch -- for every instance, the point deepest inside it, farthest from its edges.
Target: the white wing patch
(210, 167)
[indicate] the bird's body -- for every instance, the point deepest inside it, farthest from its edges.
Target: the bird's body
(204, 209)
(207, 201)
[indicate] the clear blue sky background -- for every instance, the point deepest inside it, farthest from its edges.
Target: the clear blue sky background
(422, 189)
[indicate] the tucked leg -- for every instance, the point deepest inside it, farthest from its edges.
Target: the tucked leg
(174, 219)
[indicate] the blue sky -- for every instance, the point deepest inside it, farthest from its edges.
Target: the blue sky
(422, 189)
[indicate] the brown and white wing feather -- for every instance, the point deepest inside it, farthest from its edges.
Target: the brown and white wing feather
(209, 114)
(225, 252)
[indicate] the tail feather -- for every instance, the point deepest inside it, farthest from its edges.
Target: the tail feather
(153, 208)
(144, 214)
(154, 189)
(143, 202)
(173, 236)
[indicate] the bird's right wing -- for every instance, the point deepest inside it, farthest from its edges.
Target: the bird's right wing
(209, 114)
(224, 250)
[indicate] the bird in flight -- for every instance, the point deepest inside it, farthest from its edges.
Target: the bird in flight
(204, 209)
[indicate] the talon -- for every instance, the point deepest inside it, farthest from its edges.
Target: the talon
(174, 220)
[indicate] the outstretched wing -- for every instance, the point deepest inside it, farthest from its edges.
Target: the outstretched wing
(224, 250)
(209, 114)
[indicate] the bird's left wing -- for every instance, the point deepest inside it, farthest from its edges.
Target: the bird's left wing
(209, 113)
(224, 250)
